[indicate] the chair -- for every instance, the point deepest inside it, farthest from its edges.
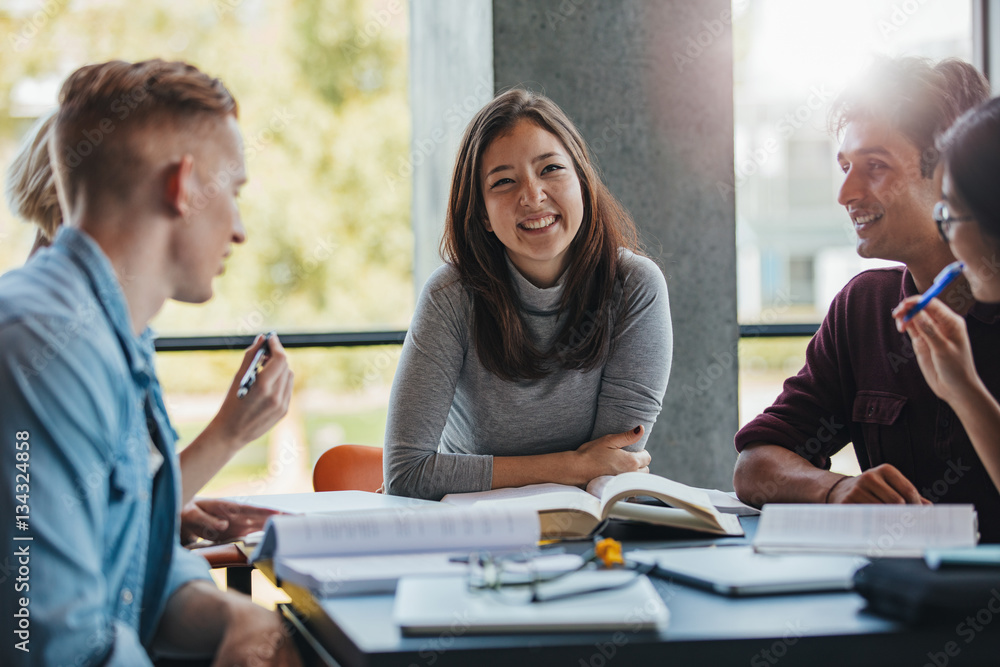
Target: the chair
(234, 561)
(349, 468)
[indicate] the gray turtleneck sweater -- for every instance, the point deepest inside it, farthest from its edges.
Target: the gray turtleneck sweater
(448, 416)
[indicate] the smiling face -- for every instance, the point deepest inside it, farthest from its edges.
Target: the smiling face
(212, 221)
(533, 198)
(890, 203)
(980, 252)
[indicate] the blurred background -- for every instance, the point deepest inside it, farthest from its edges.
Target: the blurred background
(322, 88)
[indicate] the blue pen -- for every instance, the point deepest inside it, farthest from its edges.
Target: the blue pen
(947, 275)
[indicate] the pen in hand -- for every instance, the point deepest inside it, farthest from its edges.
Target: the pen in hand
(255, 367)
(945, 278)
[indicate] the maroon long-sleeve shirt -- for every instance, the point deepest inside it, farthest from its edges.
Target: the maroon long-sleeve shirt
(861, 384)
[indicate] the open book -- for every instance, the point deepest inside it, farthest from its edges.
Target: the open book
(567, 511)
(369, 550)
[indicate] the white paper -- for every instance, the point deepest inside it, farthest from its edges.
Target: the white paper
(427, 605)
(340, 576)
(727, 503)
(540, 497)
(329, 501)
(869, 530)
(401, 530)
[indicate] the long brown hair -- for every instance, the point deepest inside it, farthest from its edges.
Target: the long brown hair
(591, 298)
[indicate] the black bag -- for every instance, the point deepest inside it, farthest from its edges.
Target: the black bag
(907, 590)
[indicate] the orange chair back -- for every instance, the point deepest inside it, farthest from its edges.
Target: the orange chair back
(349, 468)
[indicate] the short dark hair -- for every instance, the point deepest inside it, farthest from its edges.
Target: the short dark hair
(915, 96)
(971, 153)
(103, 106)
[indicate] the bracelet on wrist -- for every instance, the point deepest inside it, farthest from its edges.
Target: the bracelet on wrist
(830, 490)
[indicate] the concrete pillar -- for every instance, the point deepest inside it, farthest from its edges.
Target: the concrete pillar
(451, 78)
(650, 86)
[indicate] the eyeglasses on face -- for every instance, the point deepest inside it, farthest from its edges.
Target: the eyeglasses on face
(945, 220)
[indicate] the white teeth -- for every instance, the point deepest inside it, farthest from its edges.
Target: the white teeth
(865, 219)
(539, 223)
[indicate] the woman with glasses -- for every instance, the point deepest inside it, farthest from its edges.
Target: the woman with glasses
(540, 351)
(968, 217)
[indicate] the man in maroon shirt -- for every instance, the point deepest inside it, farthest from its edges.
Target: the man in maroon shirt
(861, 383)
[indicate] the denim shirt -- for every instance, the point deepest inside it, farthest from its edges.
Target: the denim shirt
(80, 388)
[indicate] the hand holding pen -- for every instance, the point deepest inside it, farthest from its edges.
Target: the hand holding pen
(940, 340)
(244, 416)
(943, 279)
(255, 366)
(260, 393)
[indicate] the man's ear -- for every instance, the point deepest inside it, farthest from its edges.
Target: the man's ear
(179, 186)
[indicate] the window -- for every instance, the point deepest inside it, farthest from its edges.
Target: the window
(795, 244)
(321, 86)
(791, 60)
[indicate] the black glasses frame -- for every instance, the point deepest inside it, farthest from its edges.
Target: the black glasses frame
(945, 220)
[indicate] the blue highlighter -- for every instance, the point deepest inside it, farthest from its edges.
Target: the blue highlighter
(945, 278)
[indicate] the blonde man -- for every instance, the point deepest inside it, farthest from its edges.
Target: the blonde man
(148, 163)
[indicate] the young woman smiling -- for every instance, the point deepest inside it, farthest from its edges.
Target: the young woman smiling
(968, 218)
(540, 351)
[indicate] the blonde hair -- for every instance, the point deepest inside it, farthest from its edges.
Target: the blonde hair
(31, 186)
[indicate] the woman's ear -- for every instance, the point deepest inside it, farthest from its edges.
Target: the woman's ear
(487, 225)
